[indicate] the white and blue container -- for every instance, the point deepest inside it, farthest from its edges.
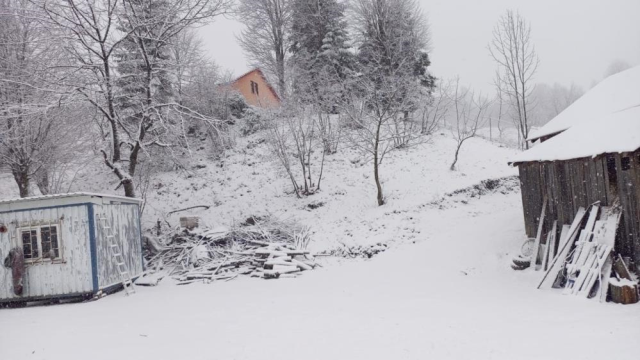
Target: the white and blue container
(66, 251)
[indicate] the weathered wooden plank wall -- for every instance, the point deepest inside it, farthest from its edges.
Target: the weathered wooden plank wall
(577, 183)
(568, 185)
(532, 198)
(125, 222)
(629, 193)
(71, 274)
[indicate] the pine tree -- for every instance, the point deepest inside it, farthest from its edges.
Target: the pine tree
(394, 40)
(321, 53)
(144, 58)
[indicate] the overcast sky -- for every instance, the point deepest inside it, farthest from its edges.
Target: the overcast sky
(576, 40)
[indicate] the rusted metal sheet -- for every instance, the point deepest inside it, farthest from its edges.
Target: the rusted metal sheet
(71, 273)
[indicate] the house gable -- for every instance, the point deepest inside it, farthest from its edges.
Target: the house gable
(256, 90)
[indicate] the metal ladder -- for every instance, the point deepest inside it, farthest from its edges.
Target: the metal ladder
(116, 254)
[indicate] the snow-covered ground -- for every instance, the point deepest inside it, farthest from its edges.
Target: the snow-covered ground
(245, 183)
(248, 182)
(451, 295)
(444, 290)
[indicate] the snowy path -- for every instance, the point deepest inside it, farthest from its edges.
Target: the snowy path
(449, 296)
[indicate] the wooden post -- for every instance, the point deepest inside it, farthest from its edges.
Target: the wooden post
(623, 291)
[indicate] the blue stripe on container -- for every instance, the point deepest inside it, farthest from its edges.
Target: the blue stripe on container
(93, 247)
(140, 237)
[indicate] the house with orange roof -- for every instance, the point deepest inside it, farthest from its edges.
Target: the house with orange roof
(256, 90)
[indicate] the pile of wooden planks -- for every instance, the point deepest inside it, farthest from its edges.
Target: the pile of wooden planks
(267, 249)
(263, 260)
(582, 263)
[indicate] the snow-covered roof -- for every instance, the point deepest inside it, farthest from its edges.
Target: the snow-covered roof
(615, 93)
(58, 199)
(614, 133)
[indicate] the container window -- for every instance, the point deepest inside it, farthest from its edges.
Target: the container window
(49, 236)
(40, 242)
(30, 243)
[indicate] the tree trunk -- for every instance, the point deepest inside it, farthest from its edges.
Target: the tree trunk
(281, 69)
(377, 178)
(42, 180)
(490, 130)
(455, 159)
(376, 166)
(21, 176)
(129, 188)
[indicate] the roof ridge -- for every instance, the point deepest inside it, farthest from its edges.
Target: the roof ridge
(66, 195)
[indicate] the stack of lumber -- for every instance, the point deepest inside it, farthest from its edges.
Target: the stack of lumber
(582, 264)
(267, 248)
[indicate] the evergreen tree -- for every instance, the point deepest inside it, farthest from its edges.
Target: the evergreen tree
(321, 54)
(144, 58)
(394, 40)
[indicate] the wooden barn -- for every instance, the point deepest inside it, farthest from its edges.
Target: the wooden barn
(589, 153)
(68, 245)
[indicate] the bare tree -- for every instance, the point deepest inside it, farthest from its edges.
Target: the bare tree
(69, 148)
(32, 130)
(434, 108)
(188, 57)
(265, 40)
(293, 139)
(374, 120)
(198, 87)
(118, 53)
(616, 66)
(552, 100)
(392, 40)
(515, 54)
(499, 105)
(469, 113)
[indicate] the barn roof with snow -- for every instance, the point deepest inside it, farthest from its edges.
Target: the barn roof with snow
(614, 94)
(617, 132)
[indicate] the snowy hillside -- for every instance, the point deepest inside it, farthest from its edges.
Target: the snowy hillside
(429, 296)
(244, 183)
(451, 295)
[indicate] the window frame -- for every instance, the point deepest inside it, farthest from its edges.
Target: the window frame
(625, 163)
(38, 229)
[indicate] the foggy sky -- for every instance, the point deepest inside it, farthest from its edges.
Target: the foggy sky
(576, 40)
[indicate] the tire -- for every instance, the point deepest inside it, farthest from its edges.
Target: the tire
(516, 267)
(527, 247)
(522, 262)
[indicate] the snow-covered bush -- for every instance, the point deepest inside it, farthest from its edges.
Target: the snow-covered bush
(237, 105)
(254, 121)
